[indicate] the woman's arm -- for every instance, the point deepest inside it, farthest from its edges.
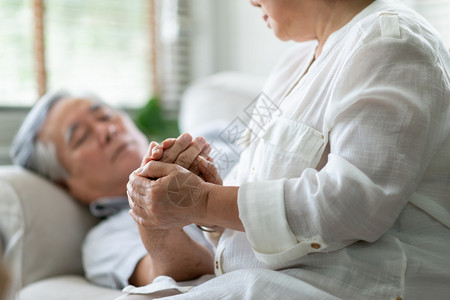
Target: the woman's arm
(179, 198)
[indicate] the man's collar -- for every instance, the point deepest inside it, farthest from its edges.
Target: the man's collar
(107, 206)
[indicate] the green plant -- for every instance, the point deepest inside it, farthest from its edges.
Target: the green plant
(151, 121)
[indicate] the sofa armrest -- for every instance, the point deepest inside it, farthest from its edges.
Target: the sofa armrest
(42, 225)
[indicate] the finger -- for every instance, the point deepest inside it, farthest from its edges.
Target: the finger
(147, 156)
(188, 156)
(157, 152)
(157, 169)
(209, 171)
(180, 144)
(138, 219)
(206, 150)
(139, 185)
(130, 200)
(137, 210)
(132, 190)
(168, 143)
(194, 168)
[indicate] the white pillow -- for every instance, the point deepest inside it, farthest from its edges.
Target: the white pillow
(42, 225)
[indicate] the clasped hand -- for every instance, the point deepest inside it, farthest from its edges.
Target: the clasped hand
(170, 189)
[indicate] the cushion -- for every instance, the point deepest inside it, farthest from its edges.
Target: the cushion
(42, 225)
(218, 98)
(67, 288)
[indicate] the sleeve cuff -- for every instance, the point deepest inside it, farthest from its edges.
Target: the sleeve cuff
(262, 212)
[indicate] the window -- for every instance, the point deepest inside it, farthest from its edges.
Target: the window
(17, 82)
(97, 45)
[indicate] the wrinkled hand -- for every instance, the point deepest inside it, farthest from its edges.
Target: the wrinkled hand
(181, 151)
(190, 154)
(177, 198)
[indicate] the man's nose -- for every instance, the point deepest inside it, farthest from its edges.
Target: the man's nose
(106, 132)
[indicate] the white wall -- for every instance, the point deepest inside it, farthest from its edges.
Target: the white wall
(250, 46)
(437, 12)
(241, 40)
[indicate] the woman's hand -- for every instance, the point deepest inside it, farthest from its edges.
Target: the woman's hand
(177, 198)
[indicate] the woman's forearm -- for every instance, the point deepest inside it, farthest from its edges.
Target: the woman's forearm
(222, 207)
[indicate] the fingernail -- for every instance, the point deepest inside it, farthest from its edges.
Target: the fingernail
(139, 170)
(202, 141)
(186, 137)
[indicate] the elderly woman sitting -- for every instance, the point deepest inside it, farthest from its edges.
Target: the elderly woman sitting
(342, 189)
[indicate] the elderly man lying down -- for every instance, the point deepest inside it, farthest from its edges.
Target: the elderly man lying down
(90, 149)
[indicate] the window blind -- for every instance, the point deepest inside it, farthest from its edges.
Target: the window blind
(100, 46)
(18, 86)
(174, 37)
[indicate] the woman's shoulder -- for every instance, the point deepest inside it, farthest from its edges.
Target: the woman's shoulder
(389, 34)
(393, 22)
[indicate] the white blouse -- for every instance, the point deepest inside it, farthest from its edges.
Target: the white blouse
(345, 176)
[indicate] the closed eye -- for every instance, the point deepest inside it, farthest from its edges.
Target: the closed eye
(80, 140)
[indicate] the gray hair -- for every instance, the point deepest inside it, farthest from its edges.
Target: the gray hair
(31, 153)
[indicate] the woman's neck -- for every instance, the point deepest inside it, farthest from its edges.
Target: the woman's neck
(334, 15)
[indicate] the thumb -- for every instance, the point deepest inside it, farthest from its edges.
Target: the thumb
(156, 169)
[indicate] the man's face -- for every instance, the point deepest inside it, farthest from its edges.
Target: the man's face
(98, 146)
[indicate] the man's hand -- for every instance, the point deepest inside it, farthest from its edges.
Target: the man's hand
(182, 151)
(190, 154)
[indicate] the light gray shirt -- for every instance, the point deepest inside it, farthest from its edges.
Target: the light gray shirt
(112, 249)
